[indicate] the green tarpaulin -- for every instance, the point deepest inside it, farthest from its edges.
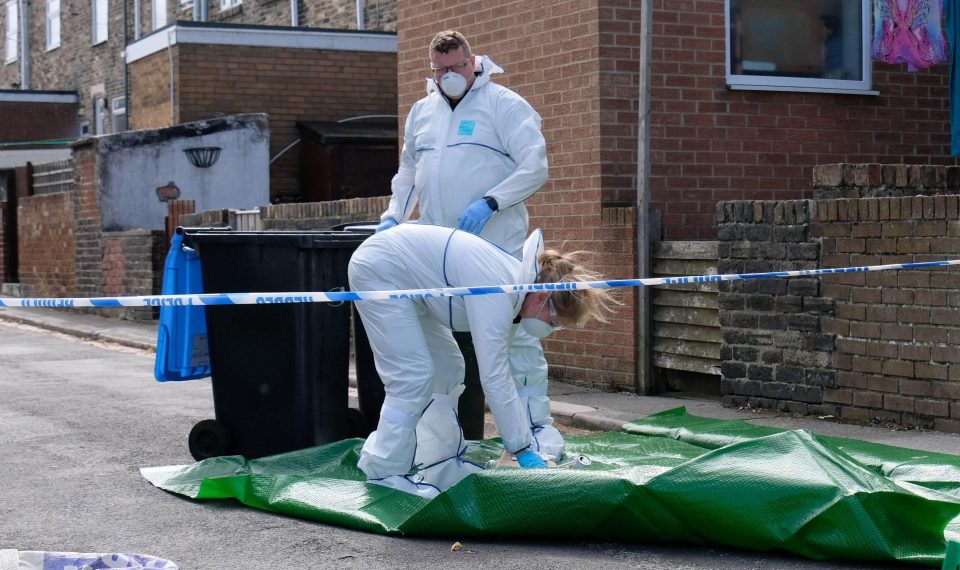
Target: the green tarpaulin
(668, 477)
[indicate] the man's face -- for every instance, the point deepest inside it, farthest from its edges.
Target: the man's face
(455, 61)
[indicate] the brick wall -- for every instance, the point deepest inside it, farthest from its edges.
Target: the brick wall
(322, 215)
(89, 70)
(287, 84)
(299, 216)
(556, 61)
(23, 122)
(150, 105)
(878, 346)
(711, 144)
(87, 220)
(132, 265)
(46, 245)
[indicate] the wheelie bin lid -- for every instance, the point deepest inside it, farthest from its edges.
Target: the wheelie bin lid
(286, 238)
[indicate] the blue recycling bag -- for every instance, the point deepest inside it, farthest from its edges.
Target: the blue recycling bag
(182, 350)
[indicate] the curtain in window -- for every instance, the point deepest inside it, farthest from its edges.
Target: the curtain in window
(908, 31)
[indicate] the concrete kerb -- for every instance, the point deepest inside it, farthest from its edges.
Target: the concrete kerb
(85, 327)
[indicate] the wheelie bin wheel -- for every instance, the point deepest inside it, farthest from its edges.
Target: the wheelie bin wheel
(357, 423)
(209, 438)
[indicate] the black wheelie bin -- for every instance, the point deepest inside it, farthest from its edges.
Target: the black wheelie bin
(279, 370)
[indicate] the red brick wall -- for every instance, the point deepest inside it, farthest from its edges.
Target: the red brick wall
(47, 245)
(132, 265)
(711, 144)
(87, 220)
(23, 122)
(552, 59)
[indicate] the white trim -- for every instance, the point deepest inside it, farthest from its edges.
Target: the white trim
(31, 97)
(739, 87)
(15, 158)
(280, 38)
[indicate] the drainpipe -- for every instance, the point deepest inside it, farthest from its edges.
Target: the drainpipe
(24, 8)
(361, 19)
(644, 377)
(294, 13)
(173, 107)
(136, 20)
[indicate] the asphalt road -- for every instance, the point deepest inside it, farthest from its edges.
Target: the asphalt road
(78, 420)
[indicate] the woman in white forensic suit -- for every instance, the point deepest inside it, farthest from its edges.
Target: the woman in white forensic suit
(418, 446)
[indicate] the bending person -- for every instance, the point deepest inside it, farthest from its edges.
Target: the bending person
(418, 446)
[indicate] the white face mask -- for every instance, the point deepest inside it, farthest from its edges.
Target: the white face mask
(535, 327)
(453, 84)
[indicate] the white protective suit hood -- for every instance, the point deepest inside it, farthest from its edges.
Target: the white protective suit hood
(484, 65)
(529, 266)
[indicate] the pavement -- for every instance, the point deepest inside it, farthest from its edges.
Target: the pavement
(572, 406)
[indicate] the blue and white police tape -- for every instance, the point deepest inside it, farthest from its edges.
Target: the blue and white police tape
(341, 296)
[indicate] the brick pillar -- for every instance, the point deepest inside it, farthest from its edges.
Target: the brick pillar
(88, 222)
(774, 353)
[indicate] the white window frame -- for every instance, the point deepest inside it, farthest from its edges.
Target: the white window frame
(227, 4)
(53, 24)
(11, 35)
(118, 113)
(769, 83)
(100, 25)
(159, 14)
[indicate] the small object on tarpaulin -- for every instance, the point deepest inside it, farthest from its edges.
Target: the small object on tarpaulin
(577, 462)
(456, 546)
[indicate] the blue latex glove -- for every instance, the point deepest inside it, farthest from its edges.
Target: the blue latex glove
(386, 225)
(475, 216)
(529, 459)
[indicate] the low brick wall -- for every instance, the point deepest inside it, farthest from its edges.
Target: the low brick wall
(322, 215)
(47, 245)
(299, 216)
(884, 180)
(879, 346)
(132, 265)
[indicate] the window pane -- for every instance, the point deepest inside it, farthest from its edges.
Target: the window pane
(819, 39)
(53, 23)
(159, 14)
(100, 19)
(11, 36)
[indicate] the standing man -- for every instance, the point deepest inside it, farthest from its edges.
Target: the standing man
(472, 153)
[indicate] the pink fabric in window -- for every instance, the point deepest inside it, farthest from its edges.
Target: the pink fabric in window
(908, 31)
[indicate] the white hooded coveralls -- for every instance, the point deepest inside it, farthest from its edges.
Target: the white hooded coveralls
(489, 145)
(413, 346)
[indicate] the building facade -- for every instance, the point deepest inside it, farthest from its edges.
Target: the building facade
(80, 45)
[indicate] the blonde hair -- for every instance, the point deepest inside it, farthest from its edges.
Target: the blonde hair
(578, 305)
(449, 40)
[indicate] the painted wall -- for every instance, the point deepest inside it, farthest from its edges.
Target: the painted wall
(135, 165)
